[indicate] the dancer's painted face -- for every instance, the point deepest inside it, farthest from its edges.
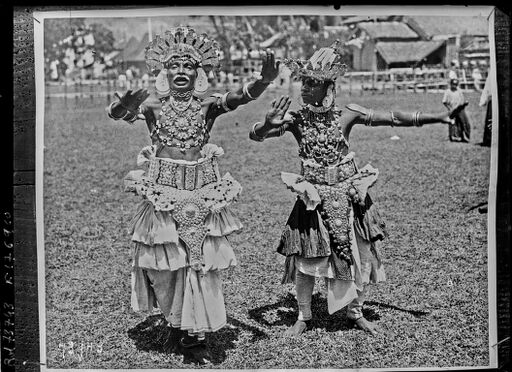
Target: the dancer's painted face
(182, 75)
(313, 91)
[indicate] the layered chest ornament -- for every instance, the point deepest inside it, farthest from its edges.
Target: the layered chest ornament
(182, 125)
(322, 137)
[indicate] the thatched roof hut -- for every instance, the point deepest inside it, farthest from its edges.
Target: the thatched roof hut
(388, 30)
(407, 53)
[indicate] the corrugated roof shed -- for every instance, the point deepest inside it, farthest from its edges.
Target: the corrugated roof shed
(407, 51)
(452, 25)
(379, 30)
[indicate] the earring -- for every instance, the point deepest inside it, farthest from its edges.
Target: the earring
(201, 84)
(329, 97)
(162, 84)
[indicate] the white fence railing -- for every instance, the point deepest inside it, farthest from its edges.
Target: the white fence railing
(406, 79)
(392, 80)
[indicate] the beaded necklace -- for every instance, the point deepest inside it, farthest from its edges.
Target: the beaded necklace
(322, 136)
(182, 124)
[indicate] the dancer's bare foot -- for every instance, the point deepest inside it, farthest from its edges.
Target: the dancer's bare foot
(367, 326)
(297, 329)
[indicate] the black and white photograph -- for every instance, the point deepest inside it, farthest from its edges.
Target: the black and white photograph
(266, 188)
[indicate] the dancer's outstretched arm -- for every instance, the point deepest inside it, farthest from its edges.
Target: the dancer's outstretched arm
(398, 118)
(252, 90)
(361, 115)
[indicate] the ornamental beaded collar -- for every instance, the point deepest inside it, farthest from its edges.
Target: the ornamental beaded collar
(322, 136)
(182, 124)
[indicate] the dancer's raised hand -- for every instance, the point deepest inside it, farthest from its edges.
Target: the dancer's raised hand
(275, 117)
(270, 68)
(132, 100)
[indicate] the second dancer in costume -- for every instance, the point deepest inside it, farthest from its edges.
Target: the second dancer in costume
(334, 229)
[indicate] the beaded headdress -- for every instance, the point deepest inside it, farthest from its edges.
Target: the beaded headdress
(324, 64)
(181, 42)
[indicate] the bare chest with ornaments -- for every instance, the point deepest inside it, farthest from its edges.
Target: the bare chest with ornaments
(322, 135)
(181, 129)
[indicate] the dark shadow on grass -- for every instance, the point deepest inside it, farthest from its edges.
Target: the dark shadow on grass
(284, 312)
(152, 335)
(479, 206)
(221, 341)
(416, 313)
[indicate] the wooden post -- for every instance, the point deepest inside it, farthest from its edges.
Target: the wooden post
(108, 91)
(65, 89)
(350, 84)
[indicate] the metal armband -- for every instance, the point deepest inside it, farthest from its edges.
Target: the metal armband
(224, 103)
(369, 118)
(416, 119)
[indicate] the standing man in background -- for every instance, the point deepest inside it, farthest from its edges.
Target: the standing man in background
(453, 98)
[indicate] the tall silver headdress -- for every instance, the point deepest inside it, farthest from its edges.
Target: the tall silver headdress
(178, 43)
(324, 64)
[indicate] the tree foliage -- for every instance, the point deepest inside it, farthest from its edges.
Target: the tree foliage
(57, 30)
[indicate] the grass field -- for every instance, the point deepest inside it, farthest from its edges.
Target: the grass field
(433, 307)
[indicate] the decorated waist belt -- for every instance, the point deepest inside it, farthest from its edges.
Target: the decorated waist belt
(183, 176)
(328, 175)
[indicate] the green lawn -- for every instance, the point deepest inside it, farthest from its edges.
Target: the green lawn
(433, 307)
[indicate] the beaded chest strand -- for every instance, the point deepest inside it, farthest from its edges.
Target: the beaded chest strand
(183, 127)
(322, 137)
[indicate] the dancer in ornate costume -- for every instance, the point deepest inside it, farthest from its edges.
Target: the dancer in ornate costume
(334, 229)
(180, 227)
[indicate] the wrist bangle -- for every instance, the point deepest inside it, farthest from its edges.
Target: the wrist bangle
(245, 91)
(129, 117)
(282, 130)
(109, 111)
(254, 136)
